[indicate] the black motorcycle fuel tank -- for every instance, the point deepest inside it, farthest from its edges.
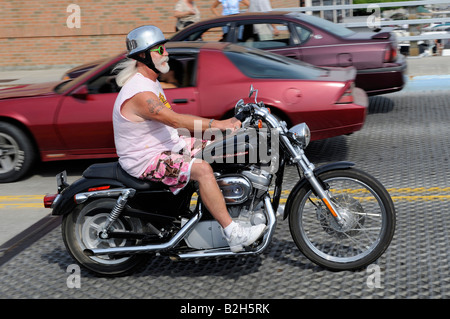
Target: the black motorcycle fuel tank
(236, 149)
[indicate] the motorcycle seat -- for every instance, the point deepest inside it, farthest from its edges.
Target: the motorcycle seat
(113, 170)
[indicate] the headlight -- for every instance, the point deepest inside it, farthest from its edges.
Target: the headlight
(301, 134)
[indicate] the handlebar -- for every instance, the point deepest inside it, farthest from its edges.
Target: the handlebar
(259, 112)
(241, 116)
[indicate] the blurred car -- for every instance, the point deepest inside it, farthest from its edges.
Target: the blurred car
(73, 119)
(311, 39)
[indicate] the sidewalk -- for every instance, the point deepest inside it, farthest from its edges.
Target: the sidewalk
(20, 77)
(432, 65)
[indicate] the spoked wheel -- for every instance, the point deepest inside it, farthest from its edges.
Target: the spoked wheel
(368, 226)
(82, 228)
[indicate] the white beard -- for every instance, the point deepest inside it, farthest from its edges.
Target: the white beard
(162, 65)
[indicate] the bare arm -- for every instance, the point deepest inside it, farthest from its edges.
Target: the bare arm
(182, 14)
(147, 106)
(214, 8)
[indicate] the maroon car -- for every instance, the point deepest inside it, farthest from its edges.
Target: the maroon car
(311, 39)
(73, 119)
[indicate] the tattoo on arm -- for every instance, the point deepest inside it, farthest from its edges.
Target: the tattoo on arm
(155, 106)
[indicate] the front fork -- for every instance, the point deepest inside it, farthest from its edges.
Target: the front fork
(323, 195)
(307, 167)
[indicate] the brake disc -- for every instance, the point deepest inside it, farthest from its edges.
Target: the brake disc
(352, 214)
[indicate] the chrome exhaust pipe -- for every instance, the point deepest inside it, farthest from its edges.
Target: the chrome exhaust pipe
(224, 252)
(147, 248)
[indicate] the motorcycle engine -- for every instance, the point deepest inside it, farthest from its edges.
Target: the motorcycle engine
(243, 194)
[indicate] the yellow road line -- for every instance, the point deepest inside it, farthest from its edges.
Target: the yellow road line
(420, 190)
(23, 205)
(397, 194)
(421, 198)
(21, 198)
(23, 201)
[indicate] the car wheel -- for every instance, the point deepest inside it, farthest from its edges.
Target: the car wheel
(16, 153)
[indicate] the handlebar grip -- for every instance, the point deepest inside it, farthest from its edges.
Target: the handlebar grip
(241, 116)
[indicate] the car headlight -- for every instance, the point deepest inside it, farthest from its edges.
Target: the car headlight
(301, 134)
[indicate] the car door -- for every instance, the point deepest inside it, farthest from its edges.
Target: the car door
(321, 48)
(84, 120)
(271, 35)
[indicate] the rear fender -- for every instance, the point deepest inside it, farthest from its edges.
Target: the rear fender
(304, 182)
(66, 202)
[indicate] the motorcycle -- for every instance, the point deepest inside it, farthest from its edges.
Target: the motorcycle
(340, 217)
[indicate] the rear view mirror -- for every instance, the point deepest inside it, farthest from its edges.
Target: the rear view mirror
(81, 93)
(253, 90)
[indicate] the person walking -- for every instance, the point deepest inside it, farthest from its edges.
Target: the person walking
(263, 30)
(259, 6)
(228, 6)
(186, 13)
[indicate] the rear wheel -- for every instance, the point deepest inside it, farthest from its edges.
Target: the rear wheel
(81, 230)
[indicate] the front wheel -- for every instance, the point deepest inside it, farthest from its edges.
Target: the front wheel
(368, 214)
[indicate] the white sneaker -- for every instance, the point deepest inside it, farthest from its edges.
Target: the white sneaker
(244, 236)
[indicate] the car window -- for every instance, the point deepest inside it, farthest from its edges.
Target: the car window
(216, 33)
(181, 74)
(104, 83)
(263, 35)
(326, 25)
(68, 85)
(182, 71)
(265, 65)
(303, 33)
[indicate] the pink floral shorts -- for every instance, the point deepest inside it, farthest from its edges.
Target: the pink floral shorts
(173, 169)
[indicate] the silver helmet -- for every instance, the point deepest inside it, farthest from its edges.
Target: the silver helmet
(143, 38)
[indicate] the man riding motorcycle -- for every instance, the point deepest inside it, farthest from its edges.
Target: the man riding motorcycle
(146, 137)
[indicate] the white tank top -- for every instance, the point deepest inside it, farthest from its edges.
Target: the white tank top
(137, 143)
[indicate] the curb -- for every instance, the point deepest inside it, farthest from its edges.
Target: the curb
(27, 237)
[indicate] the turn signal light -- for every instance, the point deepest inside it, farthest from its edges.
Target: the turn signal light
(260, 124)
